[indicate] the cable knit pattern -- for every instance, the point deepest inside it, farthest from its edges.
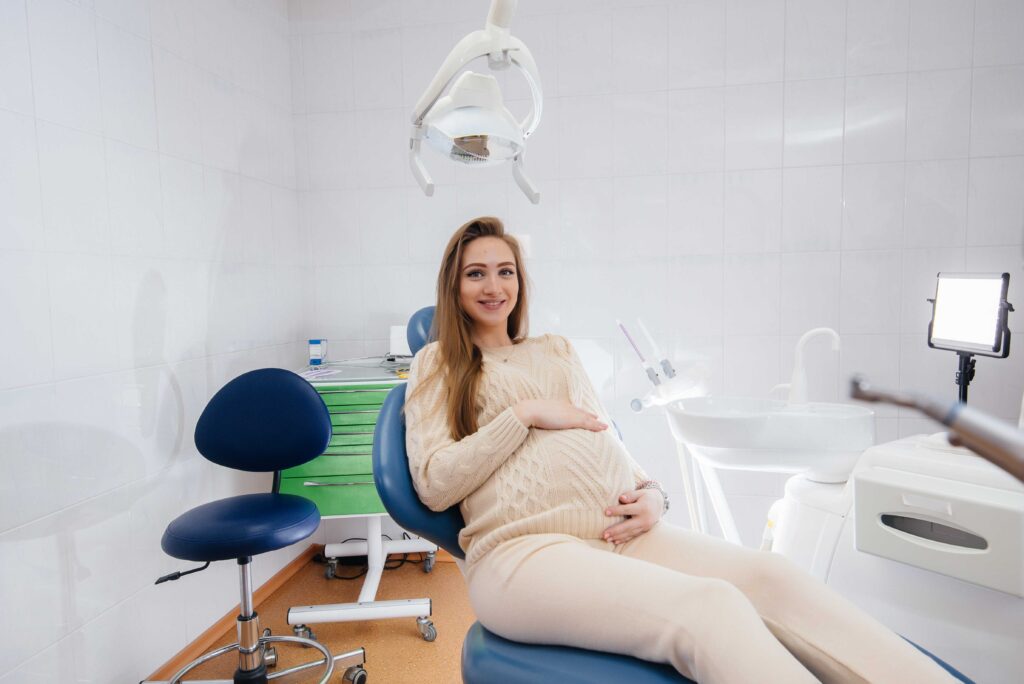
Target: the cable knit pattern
(510, 480)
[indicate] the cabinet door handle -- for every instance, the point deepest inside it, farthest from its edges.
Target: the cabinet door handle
(334, 484)
(355, 391)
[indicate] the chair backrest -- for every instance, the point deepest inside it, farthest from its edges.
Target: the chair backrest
(264, 420)
(394, 482)
(417, 332)
(391, 462)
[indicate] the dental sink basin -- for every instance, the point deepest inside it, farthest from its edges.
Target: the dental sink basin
(823, 440)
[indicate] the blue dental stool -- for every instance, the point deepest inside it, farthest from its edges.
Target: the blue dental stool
(263, 420)
(486, 657)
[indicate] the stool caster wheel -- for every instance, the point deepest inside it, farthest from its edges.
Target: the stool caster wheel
(303, 632)
(427, 629)
(355, 674)
(428, 562)
(331, 571)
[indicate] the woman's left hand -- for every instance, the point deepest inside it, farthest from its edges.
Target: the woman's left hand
(643, 508)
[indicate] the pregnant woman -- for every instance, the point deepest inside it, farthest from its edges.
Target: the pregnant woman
(564, 540)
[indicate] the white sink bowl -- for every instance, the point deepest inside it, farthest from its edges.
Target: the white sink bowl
(821, 439)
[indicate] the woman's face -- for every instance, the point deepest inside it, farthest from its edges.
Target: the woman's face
(488, 282)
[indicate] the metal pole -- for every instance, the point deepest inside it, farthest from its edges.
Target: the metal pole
(245, 584)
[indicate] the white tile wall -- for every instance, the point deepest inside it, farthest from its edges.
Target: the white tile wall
(148, 253)
(876, 36)
(941, 35)
(873, 201)
(815, 38)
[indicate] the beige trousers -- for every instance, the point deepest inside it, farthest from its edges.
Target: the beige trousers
(715, 611)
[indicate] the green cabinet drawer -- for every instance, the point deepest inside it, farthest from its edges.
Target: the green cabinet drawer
(354, 420)
(351, 440)
(351, 450)
(337, 398)
(337, 495)
(334, 464)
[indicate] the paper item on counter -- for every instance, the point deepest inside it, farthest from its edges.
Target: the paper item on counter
(399, 345)
(315, 373)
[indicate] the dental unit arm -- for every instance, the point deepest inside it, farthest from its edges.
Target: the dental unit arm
(673, 387)
(652, 374)
(994, 440)
(666, 365)
(477, 91)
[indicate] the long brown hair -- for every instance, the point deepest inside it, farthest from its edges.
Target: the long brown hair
(461, 361)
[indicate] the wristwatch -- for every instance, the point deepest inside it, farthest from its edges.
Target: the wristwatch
(654, 484)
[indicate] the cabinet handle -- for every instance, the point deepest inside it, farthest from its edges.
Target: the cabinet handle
(353, 391)
(334, 484)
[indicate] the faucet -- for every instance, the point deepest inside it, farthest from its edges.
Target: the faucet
(798, 382)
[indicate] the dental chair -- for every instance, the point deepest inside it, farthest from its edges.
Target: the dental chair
(487, 657)
(263, 420)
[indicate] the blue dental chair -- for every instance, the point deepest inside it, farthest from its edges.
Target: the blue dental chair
(263, 420)
(486, 657)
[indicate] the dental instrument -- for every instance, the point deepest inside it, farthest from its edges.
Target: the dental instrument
(997, 442)
(652, 374)
(666, 365)
(471, 124)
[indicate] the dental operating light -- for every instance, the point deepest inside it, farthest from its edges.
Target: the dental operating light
(969, 315)
(471, 124)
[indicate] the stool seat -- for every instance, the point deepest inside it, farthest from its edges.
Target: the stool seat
(240, 526)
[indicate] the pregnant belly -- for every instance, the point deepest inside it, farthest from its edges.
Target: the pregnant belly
(590, 467)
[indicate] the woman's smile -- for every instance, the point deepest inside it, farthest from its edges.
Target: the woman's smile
(492, 304)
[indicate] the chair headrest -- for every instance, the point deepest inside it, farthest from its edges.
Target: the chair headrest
(264, 420)
(417, 332)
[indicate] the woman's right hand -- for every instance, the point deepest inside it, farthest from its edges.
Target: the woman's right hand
(556, 414)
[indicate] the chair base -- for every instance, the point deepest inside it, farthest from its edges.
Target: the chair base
(263, 655)
(366, 606)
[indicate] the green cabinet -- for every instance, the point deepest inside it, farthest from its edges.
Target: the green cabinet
(340, 480)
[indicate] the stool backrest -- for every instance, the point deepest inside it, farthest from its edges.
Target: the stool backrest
(264, 420)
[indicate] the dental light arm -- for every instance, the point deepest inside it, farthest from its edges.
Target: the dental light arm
(471, 119)
(1000, 443)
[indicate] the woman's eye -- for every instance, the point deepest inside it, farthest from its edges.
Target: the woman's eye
(507, 272)
(474, 274)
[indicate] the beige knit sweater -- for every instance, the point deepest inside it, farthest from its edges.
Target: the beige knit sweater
(510, 480)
